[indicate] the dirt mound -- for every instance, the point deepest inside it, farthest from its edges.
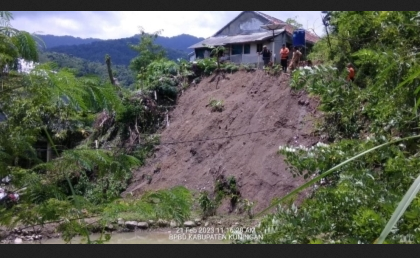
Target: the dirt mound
(260, 113)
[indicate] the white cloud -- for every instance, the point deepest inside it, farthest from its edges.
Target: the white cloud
(120, 24)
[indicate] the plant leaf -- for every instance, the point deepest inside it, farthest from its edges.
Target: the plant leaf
(311, 182)
(399, 211)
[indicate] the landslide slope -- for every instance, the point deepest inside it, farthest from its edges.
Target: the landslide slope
(260, 113)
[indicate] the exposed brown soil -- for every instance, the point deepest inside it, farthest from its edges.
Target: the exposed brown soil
(253, 102)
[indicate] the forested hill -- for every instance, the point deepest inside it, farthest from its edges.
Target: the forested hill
(119, 50)
(55, 41)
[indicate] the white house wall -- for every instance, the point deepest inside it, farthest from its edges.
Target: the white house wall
(252, 57)
(253, 48)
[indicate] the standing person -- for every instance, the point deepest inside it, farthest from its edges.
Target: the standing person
(284, 55)
(352, 73)
(266, 55)
(295, 59)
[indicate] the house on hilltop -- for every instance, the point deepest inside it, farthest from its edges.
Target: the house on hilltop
(244, 37)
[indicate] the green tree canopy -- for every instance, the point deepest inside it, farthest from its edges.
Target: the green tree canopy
(148, 51)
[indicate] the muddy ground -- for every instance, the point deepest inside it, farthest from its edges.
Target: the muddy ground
(261, 112)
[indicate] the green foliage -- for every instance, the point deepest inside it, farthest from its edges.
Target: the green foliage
(82, 67)
(273, 70)
(15, 44)
(173, 204)
(231, 67)
(83, 119)
(207, 66)
(216, 105)
(400, 210)
(208, 206)
(294, 23)
(361, 192)
(166, 78)
(217, 51)
(148, 51)
(223, 188)
(226, 188)
(57, 101)
(160, 76)
(249, 208)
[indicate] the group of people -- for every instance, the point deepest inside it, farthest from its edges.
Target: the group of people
(284, 57)
(294, 63)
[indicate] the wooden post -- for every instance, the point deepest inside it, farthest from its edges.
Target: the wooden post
(258, 65)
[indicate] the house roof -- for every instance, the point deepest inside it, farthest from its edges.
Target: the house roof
(223, 40)
(309, 36)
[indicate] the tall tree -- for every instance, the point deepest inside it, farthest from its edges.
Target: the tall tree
(294, 23)
(148, 51)
(15, 44)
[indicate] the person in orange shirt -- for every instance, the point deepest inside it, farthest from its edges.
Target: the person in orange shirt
(352, 73)
(284, 55)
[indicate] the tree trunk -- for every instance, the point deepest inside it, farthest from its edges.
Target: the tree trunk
(49, 152)
(108, 64)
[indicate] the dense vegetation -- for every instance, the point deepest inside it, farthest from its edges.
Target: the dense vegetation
(68, 142)
(99, 132)
(69, 139)
(355, 200)
(86, 56)
(82, 67)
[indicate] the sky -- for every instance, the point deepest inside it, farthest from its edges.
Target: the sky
(122, 24)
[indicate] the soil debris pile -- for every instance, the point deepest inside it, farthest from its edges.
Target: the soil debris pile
(231, 126)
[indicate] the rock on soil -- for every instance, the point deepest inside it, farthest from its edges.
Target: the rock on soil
(142, 225)
(189, 224)
(173, 224)
(252, 102)
(131, 224)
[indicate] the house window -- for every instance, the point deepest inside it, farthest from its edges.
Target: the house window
(259, 47)
(237, 49)
(200, 53)
(247, 49)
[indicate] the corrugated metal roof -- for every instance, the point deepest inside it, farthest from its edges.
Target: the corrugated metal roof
(224, 40)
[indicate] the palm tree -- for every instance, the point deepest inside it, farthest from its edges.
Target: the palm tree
(15, 44)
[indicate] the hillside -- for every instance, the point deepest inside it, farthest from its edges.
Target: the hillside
(54, 41)
(254, 102)
(176, 47)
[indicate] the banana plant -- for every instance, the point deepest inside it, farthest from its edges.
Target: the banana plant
(217, 51)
